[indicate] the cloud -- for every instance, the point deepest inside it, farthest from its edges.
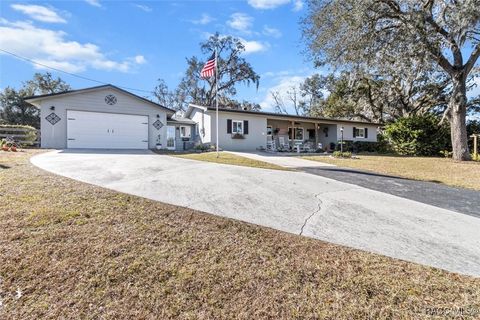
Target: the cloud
(95, 3)
(272, 4)
(143, 7)
(39, 13)
(253, 46)
(283, 85)
(51, 47)
(267, 4)
(241, 22)
(140, 59)
(205, 19)
(271, 32)
(297, 5)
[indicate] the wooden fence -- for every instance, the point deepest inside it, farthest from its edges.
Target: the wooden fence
(22, 136)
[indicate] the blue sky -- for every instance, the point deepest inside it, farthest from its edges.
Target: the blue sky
(133, 43)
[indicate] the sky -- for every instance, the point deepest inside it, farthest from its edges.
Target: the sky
(134, 43)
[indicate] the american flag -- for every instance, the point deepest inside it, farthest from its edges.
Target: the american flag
(209, 68)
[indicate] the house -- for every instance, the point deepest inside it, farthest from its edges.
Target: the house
(241, 130)
(109, 117)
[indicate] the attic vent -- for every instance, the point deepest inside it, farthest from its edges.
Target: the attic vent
(110, 99)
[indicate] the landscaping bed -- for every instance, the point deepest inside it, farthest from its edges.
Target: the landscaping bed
(72, 250)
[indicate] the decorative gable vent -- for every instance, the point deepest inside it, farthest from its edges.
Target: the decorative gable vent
(110, 99)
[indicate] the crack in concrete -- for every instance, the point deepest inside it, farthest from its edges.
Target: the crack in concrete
(320, 202)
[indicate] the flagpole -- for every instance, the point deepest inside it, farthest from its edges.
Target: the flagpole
(216, 93)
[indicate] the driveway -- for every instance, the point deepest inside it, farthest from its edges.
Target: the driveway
(436, 194)
(296, 202)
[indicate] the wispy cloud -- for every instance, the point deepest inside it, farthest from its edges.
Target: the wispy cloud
(143, 7)
(267, 4)
(39, 13)
(272, 4)
(240, 22)
(297, 5)
(204, 19)
(95, 3)
(52, 48)
(271, 32)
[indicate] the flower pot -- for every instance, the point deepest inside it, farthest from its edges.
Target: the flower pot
(158, 146)
(13, 148)
(4, 148)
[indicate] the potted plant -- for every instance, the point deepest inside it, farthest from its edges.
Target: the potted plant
(237, 136)
(158, 146)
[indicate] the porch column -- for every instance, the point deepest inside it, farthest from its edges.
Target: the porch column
(292, 141)
(316, 135)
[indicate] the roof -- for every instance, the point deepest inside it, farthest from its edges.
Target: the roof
(40, 97)
(181, 121)
(281, 115)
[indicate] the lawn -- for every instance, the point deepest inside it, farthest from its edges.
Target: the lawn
(442, 170)
(72, 250)
(229, 158)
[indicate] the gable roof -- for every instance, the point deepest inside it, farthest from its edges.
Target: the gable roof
(279, 115)
(111, 86)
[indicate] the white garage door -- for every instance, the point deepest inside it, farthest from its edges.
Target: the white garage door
(106, 130)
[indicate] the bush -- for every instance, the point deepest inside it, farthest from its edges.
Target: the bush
(339, 154)
(418, 136)
(381, 146)
(202, 147)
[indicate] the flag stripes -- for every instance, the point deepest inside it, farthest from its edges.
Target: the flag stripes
(208, 69)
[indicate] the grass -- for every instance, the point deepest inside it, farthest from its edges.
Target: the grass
(72, 250)
(230, 158)
(441, 170)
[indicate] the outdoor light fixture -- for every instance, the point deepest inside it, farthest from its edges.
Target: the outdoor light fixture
(158, 116)
(52, 108)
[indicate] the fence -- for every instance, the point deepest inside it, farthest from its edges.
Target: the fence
(21, 134)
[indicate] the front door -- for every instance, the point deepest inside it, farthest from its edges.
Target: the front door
(171, 137)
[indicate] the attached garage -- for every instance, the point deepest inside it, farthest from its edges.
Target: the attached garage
(106, 130)
(103, 117)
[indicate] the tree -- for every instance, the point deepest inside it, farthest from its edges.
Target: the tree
(389, 35)
(233, 69)
(14, 109)
(301, 97)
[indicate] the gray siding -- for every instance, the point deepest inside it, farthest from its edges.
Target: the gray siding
(256, 137)
(55, 136)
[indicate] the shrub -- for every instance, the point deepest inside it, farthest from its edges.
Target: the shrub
(202, 147)
(418, 136)
(339, 154)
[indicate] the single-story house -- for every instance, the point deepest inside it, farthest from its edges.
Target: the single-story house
(250, 130)
(109, 117)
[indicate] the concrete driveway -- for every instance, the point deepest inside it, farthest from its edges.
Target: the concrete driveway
(295, 202)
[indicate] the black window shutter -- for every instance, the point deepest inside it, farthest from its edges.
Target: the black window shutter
(366, 132)
(354, 132)
(245, 126)
(229, 125)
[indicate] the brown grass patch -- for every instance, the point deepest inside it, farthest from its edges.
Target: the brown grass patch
(72, 250)
(441, 170)
(230, 158)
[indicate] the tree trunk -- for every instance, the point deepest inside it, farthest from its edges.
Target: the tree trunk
(458, 126)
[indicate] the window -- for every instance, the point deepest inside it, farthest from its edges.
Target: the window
(359, 132)
(237, 127)
(185, 132)
(298, 133)
(269, 130)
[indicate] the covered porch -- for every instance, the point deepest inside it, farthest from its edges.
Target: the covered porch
(285, 135)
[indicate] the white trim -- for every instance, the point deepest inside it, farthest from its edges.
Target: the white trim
(358, 136)
(294, 135)
(237, 121)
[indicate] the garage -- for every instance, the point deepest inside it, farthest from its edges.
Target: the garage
(102, 117)
(106, 130)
